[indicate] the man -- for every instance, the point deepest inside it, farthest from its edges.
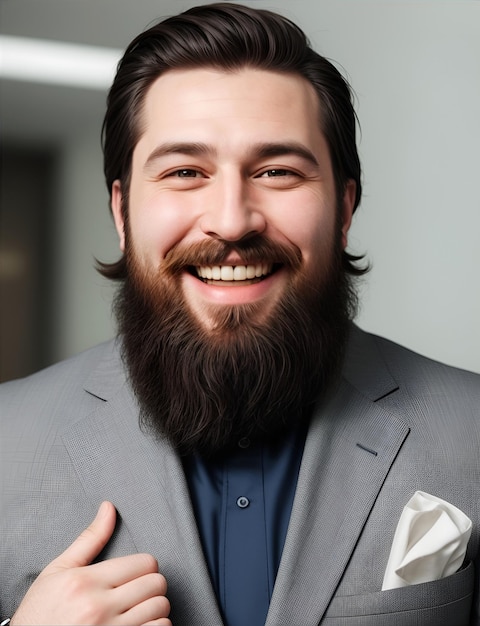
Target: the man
(255, 450)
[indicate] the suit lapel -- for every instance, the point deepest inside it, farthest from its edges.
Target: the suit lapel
(144, 479)
(350, 448)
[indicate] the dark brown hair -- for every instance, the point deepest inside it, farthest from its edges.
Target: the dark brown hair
(227, 37)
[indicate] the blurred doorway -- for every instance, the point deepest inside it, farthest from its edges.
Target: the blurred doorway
(26, 259)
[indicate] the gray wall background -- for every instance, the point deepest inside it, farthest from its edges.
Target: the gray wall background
(415, 68)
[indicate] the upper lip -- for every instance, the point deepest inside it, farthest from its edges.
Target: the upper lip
(234, 259)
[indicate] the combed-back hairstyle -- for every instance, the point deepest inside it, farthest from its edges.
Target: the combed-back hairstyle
(226, 37)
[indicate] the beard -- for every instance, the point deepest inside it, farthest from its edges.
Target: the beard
(249, 375)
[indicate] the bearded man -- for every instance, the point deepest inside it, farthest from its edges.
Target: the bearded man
(254, 450)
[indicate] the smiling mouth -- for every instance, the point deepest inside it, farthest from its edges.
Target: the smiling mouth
(233, 274)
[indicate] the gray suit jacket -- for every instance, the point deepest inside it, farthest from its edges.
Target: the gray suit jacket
(70, 439)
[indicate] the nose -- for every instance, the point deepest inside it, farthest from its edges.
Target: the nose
(231, 212)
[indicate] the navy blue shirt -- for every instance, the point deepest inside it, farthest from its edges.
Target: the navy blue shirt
(242, 503)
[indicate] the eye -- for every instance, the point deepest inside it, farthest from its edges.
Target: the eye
(279, 178)
(184, 178)
(273, 173)
(186, 173)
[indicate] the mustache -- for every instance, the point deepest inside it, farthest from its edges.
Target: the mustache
(215, 251)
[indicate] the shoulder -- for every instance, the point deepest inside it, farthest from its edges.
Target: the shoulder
(423, 374)
(398, 377)
(58, 389)
(371, 352)
(423, 390)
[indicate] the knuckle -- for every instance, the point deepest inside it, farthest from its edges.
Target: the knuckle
(87, 534)
(75, 584)
(92, 612)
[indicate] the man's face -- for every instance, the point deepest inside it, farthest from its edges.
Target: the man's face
(224, 157)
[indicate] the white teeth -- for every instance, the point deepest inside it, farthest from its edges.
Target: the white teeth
(231, 273)
(226, 272)
(240, 272)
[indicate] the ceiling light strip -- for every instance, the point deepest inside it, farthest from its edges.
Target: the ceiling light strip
(57, 63)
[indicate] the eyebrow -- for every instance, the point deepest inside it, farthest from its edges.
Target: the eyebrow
(180, 147)
(260, 151)
(268, 150)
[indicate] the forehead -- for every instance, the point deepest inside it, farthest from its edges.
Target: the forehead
(215, 106)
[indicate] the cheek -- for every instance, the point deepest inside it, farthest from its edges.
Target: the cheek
(310, 225)
(318, 247)
(156, 225)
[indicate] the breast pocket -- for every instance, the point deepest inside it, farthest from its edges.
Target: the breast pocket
(446, 602)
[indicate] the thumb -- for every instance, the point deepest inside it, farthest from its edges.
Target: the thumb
(90, 543)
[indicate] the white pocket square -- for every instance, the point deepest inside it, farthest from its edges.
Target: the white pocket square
(429, 543)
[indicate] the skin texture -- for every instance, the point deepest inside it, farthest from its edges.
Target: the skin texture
(124, 591)
(229, 156)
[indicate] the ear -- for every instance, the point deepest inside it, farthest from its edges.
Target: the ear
(348, 204)
(117, 210)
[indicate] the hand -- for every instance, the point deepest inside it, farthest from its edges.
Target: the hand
(123, 591)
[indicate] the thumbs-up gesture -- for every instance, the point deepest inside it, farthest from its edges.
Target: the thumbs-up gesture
(125, 591)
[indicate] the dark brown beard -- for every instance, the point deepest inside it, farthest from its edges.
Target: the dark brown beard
(205, 389)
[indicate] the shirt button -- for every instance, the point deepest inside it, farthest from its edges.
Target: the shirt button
(243, 502)
(244, 442)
